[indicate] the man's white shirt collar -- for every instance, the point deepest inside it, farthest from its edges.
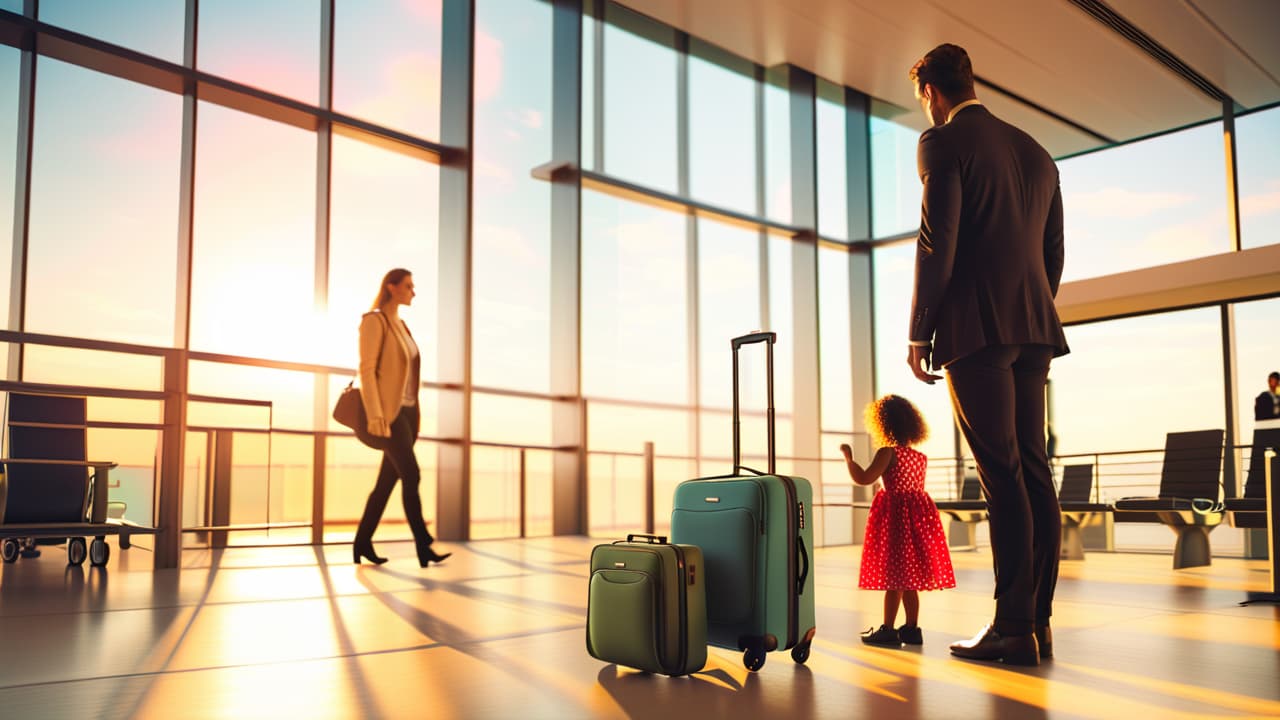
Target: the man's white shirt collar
(961, 106)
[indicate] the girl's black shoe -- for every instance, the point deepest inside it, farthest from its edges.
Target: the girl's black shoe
(884, 636)
(910, 635)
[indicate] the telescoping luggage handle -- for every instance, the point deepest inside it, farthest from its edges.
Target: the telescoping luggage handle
(768, 338)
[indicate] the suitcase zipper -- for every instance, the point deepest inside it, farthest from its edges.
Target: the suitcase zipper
(793, 614)
(684, 609)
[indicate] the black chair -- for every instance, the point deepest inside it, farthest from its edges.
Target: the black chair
(1250, 511)
(965, 513)
(1190, 499)
(1078, 511)
(50, 492)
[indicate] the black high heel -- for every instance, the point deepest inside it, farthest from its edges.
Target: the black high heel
(366, 552)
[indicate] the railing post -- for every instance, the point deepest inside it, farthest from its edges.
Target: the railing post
(523, 488)
(648, 488)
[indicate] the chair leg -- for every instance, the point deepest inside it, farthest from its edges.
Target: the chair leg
(961, 535)
(1192, 548)
(1072, 539)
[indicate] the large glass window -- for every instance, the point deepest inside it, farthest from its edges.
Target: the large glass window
(590, 53)
(895, 182)
(103, 238)
(384, 214)
(274, 46)
(722, 130)
(1257, 326)
(253, 265)
(634, 290)
(386, 63)
(291, 394)
(782, 321)
(833, 165)
(777, 146)
(834, 330)
(10, 62)
(1258, 173)
(639, 101)
(511, 243)
(155, 27)
(894, 268)
(1106, 398)
(1148, 203)
(728, 306)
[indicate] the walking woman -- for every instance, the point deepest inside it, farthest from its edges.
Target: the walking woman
(389, 379)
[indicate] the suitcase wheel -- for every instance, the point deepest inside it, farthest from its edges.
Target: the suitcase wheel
(10, 550)
(754, 658)
(76, 551)
(800, 652)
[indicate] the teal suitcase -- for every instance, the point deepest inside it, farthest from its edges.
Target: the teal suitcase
(755, 539)
(646, 606)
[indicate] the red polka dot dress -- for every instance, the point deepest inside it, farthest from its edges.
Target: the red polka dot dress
(904, 547)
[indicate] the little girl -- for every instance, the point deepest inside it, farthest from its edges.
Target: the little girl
(904, 549)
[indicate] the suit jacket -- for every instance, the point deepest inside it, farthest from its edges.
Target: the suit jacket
(1264, 408)
(383, 375)
(989, 254)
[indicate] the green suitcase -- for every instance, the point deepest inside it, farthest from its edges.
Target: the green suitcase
(646, 606)
(755, 538)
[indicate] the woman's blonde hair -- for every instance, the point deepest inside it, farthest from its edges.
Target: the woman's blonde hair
(893, 421)
(393, 277)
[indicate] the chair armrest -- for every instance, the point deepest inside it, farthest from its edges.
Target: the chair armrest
(74, 463)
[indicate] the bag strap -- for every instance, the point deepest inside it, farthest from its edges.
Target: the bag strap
(387, 326)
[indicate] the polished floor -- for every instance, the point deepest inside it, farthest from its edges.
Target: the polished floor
(497, 632)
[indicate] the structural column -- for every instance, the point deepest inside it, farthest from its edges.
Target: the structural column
(568, 429)
(802, 86)
(453, 488)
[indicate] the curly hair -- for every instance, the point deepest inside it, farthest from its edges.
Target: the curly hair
(894, 421)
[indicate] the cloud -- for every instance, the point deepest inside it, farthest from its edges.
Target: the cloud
(1115, 202)
(488, 69)
(1265, 203)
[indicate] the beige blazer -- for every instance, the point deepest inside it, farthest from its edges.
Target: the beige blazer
(382, 380)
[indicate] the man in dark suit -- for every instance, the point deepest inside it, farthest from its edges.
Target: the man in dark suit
(988, 263)
(1267, 405)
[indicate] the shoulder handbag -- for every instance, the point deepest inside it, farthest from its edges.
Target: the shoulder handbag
(349, 410)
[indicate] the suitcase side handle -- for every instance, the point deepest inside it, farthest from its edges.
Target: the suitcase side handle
(804, 575)
(651, 539)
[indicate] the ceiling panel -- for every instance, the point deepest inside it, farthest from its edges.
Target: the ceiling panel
(1047, 51)
(1203, 45)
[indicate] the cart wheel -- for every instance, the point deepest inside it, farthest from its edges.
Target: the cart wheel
(754, 658)
(75, 551)
(99, 551)
(800, 652)
(125, 542)
(9, 549)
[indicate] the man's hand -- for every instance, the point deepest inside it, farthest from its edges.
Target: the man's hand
(918, 359)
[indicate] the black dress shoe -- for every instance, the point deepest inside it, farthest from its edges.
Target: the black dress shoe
(991, 645)
(1044, 638)
(910, 635)
(883, 636)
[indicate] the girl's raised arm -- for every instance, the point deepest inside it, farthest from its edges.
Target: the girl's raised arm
(879, 464)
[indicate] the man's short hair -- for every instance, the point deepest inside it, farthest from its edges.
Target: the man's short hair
(1274, 376)
(947, 68)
